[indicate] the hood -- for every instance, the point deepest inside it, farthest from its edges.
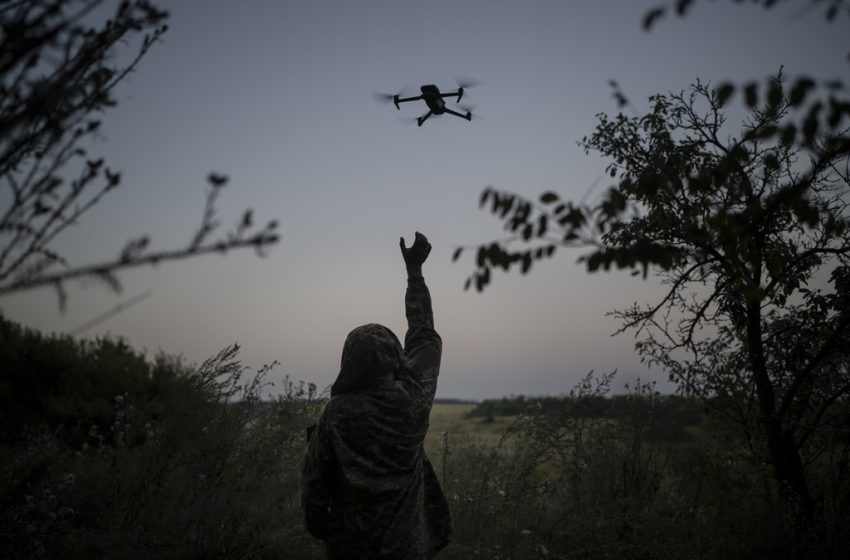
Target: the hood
(371, 355)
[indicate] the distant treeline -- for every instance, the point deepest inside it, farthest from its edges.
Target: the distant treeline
(672, 408)
(440, 400)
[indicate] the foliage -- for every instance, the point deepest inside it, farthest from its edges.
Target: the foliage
(739, 227)
(60, 383)
(203, 470)
(676, 413)
(564, 485)
(57, 75)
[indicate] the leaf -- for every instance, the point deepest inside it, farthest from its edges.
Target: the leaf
(481, 257)
(810, 126)
(724, 92)
(788, 134)
(770, 162)
(831, 12)
(216, 179)
(682, 7)
(751, 94)
(593, 262)
(800, 90)
(774, 95)
(548, 197)
(485, 194)
(526, 263)
(767, 131)
(542, 225)
(651, 16)
(457, 253)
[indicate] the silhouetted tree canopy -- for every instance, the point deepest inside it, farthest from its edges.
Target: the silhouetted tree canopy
(57, 76)
(748, 227)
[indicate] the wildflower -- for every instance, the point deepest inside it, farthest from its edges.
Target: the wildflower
(69, 478)
(119, 399)
(525, 532)
(542, 550)
(502, 493)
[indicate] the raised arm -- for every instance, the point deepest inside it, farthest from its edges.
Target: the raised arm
(422, 344)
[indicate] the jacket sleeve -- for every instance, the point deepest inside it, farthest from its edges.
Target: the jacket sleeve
(422, 345)
(316, 480)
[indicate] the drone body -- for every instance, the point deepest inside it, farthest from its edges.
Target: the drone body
(434, 99)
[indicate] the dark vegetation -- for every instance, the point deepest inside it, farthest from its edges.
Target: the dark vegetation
(748, 227)
(105, 453)
(171, 460)
(58, 71)
(675, 412)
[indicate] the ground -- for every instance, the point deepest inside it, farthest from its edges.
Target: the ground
(451, 419)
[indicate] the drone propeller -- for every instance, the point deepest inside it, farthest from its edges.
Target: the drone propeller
(466, 82)
(380, 97)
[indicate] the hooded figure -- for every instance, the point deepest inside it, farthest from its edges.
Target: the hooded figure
(368, 488)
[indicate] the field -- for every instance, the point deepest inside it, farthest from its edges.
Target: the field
(451, 420)
(190, 463)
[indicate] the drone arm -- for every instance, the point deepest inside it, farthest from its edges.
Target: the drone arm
(424, 117)
(467, 116)
(458, 94)
(405, 99)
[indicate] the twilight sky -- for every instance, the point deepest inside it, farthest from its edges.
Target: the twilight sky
(277, 95)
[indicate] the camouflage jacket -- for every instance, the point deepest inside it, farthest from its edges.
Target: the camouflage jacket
(368, 488)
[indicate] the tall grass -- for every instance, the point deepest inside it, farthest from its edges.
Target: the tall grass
(205, 469)
(563, 485)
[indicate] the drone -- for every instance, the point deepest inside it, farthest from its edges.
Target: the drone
(434, 99)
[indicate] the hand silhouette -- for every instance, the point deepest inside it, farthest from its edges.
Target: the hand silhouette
(416, 254)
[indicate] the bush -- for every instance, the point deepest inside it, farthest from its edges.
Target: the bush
(203, 469)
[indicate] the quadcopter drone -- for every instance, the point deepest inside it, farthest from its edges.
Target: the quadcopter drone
(434, 99)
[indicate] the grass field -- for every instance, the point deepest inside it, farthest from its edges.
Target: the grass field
(451, 418)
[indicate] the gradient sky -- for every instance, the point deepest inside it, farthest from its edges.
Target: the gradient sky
(277, 95)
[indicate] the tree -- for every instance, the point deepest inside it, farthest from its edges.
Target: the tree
(56, 78)
(739, 228)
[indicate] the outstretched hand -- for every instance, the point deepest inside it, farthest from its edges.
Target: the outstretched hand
(416, 254)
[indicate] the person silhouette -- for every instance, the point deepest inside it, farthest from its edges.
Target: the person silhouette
(367, 487)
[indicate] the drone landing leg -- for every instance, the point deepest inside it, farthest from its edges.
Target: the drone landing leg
(467, 116)
(424, 117)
